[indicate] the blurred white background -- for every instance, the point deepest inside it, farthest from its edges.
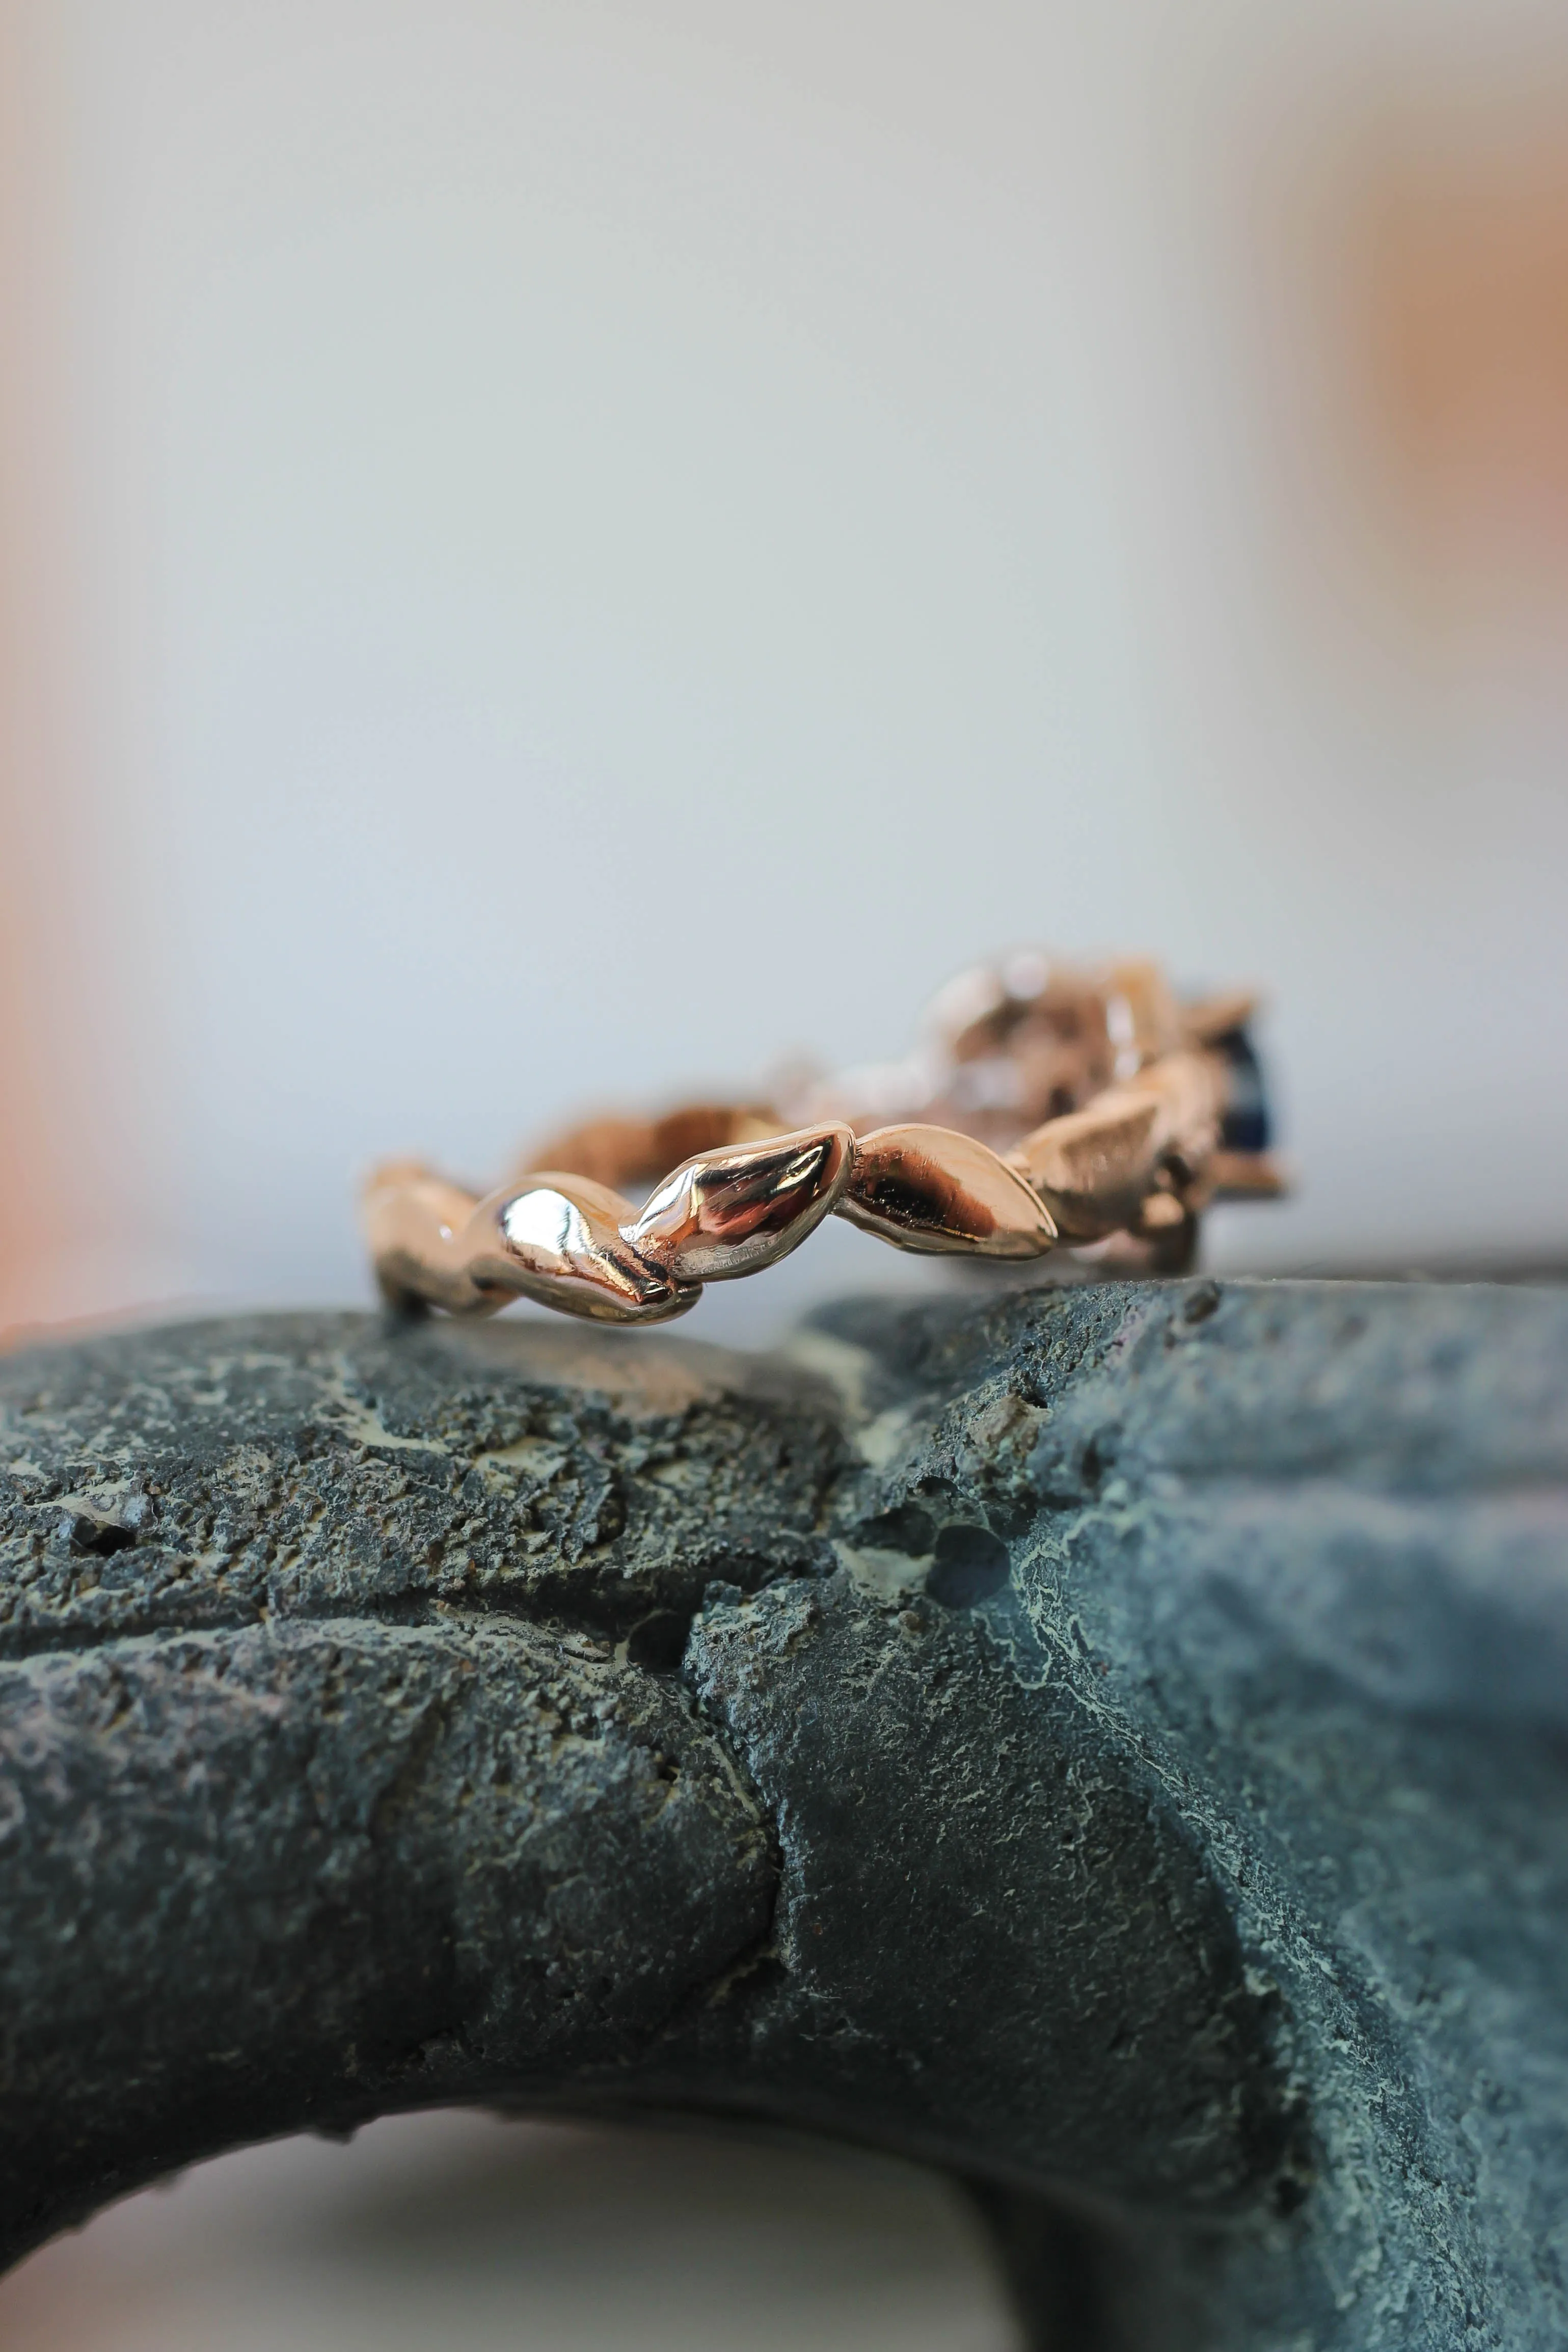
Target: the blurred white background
(558, 548)
(564, 550)
(478, 2235)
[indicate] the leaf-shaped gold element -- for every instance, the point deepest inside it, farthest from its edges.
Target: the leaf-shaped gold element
(725, 1213)
(413, 1219)
(554, 1238)
(1095, 1167)
(559, 1239)
(932, 1188)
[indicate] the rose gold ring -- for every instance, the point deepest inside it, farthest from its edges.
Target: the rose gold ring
(1044, 1106)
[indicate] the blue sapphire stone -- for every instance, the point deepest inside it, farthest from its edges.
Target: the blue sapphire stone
(1245, 1124)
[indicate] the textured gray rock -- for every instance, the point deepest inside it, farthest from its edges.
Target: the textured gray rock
(1112, 1743)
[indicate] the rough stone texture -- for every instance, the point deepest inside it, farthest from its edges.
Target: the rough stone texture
(1110, 1742)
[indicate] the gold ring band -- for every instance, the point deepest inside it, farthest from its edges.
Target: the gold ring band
(1153, 1108)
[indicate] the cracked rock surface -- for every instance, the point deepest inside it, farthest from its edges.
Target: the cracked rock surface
(1109, 1742)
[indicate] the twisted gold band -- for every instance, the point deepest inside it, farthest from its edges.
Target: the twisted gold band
(1154, 1108)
